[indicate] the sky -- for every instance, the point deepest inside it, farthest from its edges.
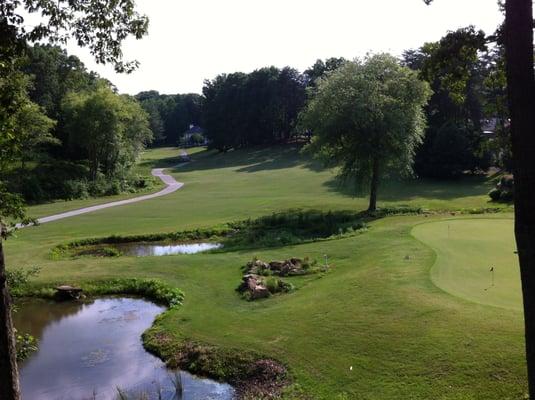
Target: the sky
(190, 41)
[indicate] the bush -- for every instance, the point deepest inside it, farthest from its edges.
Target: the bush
(26, 345)
(75, 189)
(495, 194)
(506, 196)
(18, 278)
(276, 285)
(151, 288)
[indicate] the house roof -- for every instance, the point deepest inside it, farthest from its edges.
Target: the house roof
(194, 129)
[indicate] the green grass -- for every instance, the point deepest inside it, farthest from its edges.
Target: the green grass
(377, 309)
(153, 158)
(466, 251)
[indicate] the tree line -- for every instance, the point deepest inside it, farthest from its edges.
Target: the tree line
(465, 70)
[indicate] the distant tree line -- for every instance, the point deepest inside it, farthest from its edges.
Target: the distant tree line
(465, 70)
(170, 115)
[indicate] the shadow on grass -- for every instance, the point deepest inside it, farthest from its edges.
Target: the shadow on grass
(250, 160)
(395, 190)
(289, 156)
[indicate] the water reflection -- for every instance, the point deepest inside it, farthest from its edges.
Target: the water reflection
(159, 249)
(96, 348)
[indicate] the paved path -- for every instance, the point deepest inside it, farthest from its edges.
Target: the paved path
(171, 186)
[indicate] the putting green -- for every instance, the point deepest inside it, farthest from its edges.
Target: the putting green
(466, 251)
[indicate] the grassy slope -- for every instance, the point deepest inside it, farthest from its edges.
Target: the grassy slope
(376, 311)
(466, 250)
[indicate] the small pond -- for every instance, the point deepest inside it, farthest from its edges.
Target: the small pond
(95, 347)
(143, 249)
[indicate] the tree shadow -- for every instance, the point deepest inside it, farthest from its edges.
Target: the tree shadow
(251, 160)
(395, 190)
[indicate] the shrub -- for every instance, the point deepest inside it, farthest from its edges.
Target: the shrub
(276, 285)
(18, 278)
(26, 345)
(75, 189)
(150, 288)
(495, 194)
(506, 196)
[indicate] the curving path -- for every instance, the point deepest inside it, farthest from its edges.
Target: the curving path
(171, 186)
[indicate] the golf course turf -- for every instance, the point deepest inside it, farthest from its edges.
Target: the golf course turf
(383, 323)
(476, 260)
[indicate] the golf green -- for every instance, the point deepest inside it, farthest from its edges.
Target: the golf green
(475, 259)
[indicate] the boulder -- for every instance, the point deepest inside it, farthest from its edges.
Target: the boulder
(66, 292)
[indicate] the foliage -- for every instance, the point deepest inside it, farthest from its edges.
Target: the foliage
(454, 142)
(26, 345)
(292, 227)
(321, 69)
(276, 285)
(242, 110)
(170, 115)
(18, 278)
(152, 289)
(110, 130)
(504, 190)
(367, 118)
(101, 27)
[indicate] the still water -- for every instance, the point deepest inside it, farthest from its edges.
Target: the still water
(161, 249)
(87, 348)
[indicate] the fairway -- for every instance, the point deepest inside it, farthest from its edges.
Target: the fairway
(466, 251)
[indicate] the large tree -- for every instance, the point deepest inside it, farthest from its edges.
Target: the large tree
(100, 25)
(453, 68)
(367, 117)
(108, 129)
(521, 89)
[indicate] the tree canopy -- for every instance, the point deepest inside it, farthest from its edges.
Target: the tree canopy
(259, 108)
(367, 117)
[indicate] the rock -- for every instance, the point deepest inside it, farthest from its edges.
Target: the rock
(253, 284)
(276, 265)
(66, 292)
(259, 292)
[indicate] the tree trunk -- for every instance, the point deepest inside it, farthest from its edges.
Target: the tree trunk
(374, 185)
(521, 91)
(9, 376)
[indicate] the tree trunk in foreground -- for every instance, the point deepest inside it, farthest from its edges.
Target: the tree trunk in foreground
(374, 185)
(521, 90)
(9, 376)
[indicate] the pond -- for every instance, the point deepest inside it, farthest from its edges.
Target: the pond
(94, 348)
(163, 249)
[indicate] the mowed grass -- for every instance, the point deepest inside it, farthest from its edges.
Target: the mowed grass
(376, 311)
(466, 251)
(249, 183)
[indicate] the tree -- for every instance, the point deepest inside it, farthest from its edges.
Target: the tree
(102, 26)
(259, 108)
(367, 117)
(454, 69)
(322, 68)
(521, 91)
(108, 129)
(33, 132)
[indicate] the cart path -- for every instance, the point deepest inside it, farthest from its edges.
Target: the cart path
(171, 186)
